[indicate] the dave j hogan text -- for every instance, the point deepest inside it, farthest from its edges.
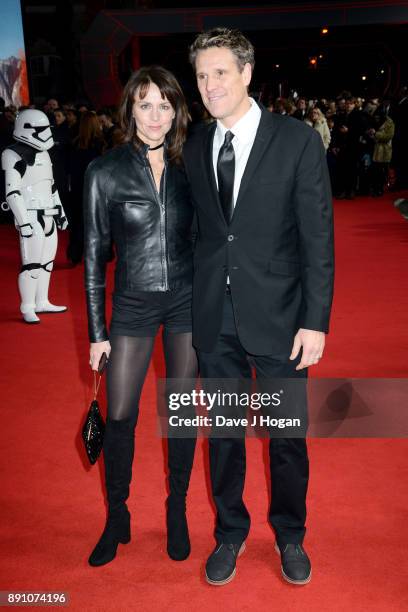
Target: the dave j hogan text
(257, 420)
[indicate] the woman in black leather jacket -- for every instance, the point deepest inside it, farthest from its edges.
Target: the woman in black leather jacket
(137, 195)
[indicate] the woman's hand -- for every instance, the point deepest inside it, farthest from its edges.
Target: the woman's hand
(96, 351)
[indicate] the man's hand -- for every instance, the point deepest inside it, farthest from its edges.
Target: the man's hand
(313, 346)
(96, 351)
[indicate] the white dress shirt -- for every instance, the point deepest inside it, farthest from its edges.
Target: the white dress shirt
(244, 132)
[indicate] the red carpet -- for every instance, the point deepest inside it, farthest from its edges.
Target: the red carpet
(52, 510)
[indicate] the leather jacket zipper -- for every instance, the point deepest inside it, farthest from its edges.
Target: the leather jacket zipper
(161, 202)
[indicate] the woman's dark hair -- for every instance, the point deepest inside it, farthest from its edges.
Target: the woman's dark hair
(170, 89)
(89, 131)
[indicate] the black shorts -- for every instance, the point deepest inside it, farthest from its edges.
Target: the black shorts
(141, 313)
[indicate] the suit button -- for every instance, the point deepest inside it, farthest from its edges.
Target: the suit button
(230, 238)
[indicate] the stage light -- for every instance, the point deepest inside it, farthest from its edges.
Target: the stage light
(325, 31)
(313, 61)
(320, 56)
(277, 65)
(382, 71)
(363, 78)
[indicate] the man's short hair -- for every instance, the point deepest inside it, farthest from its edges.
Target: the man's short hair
(233, 40)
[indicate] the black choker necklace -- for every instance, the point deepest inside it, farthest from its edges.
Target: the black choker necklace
(158, 147)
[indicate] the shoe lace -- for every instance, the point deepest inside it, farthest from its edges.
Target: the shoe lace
(297, 549)
(232, 547)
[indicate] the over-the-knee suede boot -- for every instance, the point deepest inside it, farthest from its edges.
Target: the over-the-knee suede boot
(118, 449)
(180, 463)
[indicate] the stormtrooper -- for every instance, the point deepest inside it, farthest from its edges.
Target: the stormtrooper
(34, 201)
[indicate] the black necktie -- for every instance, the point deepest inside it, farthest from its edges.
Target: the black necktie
(225, 173)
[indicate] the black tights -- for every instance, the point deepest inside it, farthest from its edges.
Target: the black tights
(128, 364)
(126, 373)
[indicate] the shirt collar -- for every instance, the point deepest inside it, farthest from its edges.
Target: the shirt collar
(245, 128)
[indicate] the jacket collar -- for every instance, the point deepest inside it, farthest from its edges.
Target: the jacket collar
(140, 153)
(245, 128)
(266, 129)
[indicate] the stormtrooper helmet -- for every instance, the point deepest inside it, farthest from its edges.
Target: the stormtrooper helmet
(33, 128)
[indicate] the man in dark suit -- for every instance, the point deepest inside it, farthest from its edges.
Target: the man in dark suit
(301, 110)
(263, 279)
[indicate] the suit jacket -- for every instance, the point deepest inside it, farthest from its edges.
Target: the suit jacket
(278, 248)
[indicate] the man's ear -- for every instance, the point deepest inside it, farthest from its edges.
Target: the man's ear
(247, 73)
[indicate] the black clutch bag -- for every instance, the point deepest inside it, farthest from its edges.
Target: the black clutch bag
(94, 427)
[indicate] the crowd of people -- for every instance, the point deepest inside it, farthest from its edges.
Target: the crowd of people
(365, 142)
(365, 139)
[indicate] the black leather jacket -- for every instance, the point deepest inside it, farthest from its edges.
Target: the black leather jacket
(151, 231)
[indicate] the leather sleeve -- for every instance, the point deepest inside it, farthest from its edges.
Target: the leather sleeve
(194, 229)
(97, 247)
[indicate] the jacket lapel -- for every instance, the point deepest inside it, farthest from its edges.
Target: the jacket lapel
(262, 139)
(209, 169)
(261, 142)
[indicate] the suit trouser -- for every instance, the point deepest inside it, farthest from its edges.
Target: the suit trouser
(288, 456)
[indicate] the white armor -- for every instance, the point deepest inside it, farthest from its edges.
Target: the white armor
(37, 209)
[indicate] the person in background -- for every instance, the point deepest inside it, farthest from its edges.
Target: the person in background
(71, 117)
(331, 108)
(88, 145)
(52, 105)
(332, 153)
(301, 109)
(382, 155)
(270, 104)
(349, 129)
(323, 104)
(10, 113)
(6, 138)
(280, 106)
(290, 108)
(318, 122)
(111, 133)
(68, 105)
(83, 107)
(49, 107)
(59, 154)
(341, 106)
(7, 119)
